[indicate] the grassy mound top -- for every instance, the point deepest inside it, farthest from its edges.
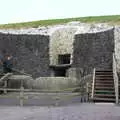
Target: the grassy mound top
(113, 19)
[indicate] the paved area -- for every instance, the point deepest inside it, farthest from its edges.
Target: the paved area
(41, 99)
(81, 111)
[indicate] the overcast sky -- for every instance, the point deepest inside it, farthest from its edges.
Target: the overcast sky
(12, 11)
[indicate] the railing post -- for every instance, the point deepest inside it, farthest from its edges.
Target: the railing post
(21, 93)
(21, 96)
(93, 84)
(5, 86)
(87, 91)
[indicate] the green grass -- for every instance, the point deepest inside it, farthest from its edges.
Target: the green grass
(113, 19)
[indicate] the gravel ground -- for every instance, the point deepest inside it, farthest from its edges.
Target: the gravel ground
(72, 112)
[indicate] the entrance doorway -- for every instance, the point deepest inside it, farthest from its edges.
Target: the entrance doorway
(60, 72)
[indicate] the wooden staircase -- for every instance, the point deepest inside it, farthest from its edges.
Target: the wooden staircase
(103, 86)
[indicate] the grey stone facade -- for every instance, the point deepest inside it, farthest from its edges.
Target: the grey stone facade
(31, 52)
(93, 50)
(89, 46)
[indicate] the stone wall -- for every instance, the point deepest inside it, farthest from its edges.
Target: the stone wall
(34, 53)
(49, 83)
(54, 83)
(31, 52)
(61, 42)
(93, 50)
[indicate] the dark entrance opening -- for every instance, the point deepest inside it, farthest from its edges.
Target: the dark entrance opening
(64, 59)
(60, 72)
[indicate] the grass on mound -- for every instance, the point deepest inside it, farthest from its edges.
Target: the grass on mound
(113, 19)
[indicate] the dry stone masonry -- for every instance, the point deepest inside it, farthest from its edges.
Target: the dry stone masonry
(62, 52)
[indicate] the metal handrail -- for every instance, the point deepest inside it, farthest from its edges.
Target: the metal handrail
(21, 72)
(116, 79)
(93, 84)
(5, 76)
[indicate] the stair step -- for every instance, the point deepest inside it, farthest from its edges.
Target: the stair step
(104, 78)
(104, 99)
(104, 81)
(104, 71)
(104, 91)
(104, 95)
(104, 85)
(112, 88)
(103, 74)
